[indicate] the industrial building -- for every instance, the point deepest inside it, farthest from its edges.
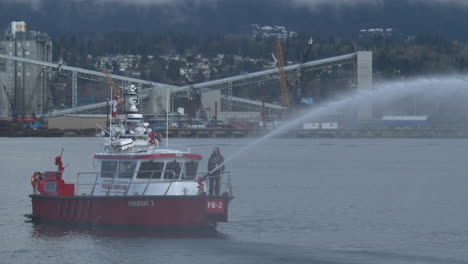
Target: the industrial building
(24, 88)
(267, 32)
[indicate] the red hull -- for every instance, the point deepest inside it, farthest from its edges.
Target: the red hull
(151, 211)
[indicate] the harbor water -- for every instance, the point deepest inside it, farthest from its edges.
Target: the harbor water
(296, 201)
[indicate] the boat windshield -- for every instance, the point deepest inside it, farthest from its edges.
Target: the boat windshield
(151, 170)
(125, 169)
(190, 170)
(172, 171)
(108, 168)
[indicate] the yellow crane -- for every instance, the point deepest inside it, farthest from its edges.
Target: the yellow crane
(113, 86)
(282, 74)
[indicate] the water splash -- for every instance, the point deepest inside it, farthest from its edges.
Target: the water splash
(434, 87)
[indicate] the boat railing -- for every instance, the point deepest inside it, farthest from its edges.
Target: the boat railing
(166, 176)
(87, 182)
(225, 186)
(161, 173)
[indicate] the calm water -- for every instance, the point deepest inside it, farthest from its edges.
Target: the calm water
(297, 201)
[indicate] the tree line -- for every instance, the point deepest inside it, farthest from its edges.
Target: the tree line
(422, 54)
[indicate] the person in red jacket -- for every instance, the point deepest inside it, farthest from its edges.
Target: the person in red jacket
(153, 137)
(36, 178)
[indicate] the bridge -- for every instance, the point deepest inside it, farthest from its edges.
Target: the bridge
(154, 93)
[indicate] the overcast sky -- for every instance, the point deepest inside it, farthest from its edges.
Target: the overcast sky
(311, 3)
(303, 2)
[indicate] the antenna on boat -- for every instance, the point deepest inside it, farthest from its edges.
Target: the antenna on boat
(103, 129)
(167, 117)
(110, 121)
(115, 102)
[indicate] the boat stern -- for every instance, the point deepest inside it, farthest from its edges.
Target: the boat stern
(216, 208)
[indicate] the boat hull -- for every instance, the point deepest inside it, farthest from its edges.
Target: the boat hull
(144, 211)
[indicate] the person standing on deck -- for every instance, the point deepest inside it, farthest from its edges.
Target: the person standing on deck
(36, 179)
(215, 160)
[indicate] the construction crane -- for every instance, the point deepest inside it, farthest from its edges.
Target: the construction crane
(282, 74)
(113, 86)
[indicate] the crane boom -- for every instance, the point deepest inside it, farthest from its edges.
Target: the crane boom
(282, 74)
(113, 86)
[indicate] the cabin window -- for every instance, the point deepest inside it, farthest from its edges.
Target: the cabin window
(148, 168)
(172, 170)
(126, 169)
(190, 170)
(108, 168)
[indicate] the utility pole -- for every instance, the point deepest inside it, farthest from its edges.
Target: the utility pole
(107, 113)
(263, 104)
(216, 115)
(300, 70)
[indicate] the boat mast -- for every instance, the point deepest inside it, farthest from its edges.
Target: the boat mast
(112, 86)
(110, 118)
(167, 117)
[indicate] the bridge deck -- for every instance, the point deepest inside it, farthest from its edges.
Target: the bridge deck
(347, 58)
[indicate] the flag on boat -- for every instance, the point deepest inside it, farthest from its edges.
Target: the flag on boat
(115, 104)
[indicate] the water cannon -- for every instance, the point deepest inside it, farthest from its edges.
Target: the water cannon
(131, 104)
(131, 108)
(132, 99)
(132, 89)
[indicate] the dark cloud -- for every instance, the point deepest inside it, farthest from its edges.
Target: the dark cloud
(304, 3)
(347, 3)
(133, 2)
(310, 3)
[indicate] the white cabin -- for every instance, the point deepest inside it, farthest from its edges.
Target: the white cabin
(157, 172)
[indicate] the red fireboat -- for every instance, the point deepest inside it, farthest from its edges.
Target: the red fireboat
(136, 183)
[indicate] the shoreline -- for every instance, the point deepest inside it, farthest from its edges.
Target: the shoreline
(251, 133)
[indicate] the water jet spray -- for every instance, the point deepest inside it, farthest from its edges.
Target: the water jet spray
(383, 92)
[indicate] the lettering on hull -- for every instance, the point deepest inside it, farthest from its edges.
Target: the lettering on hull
(140, 203)
(215, 205)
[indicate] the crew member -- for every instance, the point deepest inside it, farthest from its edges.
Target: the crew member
(36, 178)
(153, 137)
(216, 159)
(59, 164)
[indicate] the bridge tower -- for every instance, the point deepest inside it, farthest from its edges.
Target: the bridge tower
(364, 82)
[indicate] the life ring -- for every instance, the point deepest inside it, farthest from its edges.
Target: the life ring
(34, 181)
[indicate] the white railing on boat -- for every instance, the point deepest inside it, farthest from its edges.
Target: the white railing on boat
(224, 182)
